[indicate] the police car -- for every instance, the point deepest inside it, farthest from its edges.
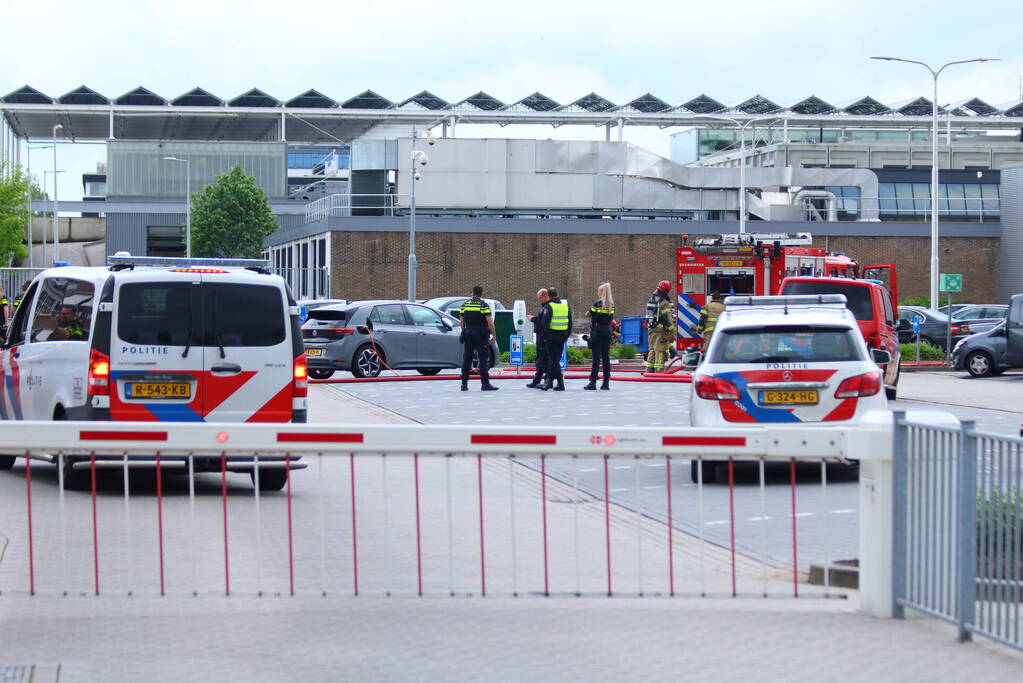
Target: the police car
(779, 359)
(156, 339)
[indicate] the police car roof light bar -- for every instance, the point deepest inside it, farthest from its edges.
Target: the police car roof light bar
(126, 260)
(786, 301)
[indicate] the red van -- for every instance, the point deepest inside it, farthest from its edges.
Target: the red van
(871, 304)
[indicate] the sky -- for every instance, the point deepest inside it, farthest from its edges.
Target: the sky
(674, 49)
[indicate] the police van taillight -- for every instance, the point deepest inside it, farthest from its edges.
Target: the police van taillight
(301, 380)
(99, 373)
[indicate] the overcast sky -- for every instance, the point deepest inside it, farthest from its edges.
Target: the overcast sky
(673, 49)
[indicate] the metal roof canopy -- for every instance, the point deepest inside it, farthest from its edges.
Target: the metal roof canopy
(314, 118)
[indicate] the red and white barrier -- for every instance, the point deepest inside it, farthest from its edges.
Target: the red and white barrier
(369, 537)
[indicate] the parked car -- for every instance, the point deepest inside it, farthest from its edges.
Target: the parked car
(954, 308)
(366, 337)
(451, 304)
(996, 350)
(784, 359)
(933, 329)
(313, 304)
(871, 304)
(981, 318)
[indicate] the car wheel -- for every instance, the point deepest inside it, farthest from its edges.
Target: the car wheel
(709, 471)
(367, 362)
(429, 372)
(891, 393)
(7, 461)
(320, 373)
(978, 364)
(270, 480)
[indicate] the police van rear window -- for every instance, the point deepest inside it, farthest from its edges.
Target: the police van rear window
(857, 297)
(788, 344)
(211, 314)
(243, 315)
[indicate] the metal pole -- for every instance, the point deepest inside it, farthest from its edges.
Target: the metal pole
(28, 163)
(188, 208)
(934, 194)
(742, 179)
(56, 219)
(412, 222)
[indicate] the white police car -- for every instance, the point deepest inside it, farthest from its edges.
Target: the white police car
(151, 339)
(785, 359)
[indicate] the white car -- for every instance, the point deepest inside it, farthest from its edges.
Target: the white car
(781, 359)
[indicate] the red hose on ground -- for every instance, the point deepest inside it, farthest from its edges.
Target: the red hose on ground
(523, 377)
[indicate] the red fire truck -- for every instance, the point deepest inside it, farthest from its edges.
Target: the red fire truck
(753, 264)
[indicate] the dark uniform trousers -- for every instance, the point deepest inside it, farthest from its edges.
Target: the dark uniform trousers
(541, 358)
(554, 342)
(600, 344)
(476, 340)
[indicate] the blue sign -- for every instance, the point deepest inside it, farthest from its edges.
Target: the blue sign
(564, 358)
(515, 349)
(303, 314)
(917, 319)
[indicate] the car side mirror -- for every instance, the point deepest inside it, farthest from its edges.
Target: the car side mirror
(904, 325)
(880, 356)
(692, 359)
(447, 325)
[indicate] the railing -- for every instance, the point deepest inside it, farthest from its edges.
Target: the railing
(11, 279)
(345, 204)
(979, 208)
(958, 528)
(415, 509)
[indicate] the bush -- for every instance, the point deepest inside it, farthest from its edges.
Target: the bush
(623, 351)
(576, 356)
(927, 352)
(924, 301)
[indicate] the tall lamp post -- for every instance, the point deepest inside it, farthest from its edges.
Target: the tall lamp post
(934, 158)
(56, 220)
(188, 203)
(418, 156)
(742, 157)
(28, 157)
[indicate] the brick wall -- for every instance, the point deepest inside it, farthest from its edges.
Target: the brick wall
(368, 265)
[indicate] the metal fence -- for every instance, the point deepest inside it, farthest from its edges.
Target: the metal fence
(410, 510)
(958, 528)
(351, 204)
(11, 279)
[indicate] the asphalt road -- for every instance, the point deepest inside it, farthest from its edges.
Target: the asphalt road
(826, 518)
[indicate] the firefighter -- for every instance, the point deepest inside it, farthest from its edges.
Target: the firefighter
(709, 315)
(660, 327)
(477, 331)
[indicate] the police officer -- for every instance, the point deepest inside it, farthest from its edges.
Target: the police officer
(660, 327)
(477, 331)
(67, 325)
(558, 318)
(709, 315)
(601, 314)
(540, 327)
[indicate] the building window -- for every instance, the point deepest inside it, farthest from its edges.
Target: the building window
(165, 240)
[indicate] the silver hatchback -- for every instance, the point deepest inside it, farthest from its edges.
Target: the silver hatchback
(367, 337)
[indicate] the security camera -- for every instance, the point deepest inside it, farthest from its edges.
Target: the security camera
(423, 159)
(417, 176)
(431, 139)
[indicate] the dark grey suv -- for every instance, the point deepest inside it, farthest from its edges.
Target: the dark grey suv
(366, 337)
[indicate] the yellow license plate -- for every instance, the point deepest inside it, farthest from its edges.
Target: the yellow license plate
(314, 352)
(158, 390)
(730, 263)
(788, 397)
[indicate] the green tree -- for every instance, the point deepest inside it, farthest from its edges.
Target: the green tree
(231, 217)
(13, 213)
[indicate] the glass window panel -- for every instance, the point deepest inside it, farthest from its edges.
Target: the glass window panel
(957, 206)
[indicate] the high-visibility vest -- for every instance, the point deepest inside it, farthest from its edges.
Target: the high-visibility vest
(559, 316)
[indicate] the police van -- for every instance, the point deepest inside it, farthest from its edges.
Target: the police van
(158, 339)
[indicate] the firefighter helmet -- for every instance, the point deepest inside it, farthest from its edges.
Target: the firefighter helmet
(664, 286)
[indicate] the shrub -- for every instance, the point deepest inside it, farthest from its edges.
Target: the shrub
(924, 301)
(506, 356)
(927, 352)
(576, 356)
(623, 351)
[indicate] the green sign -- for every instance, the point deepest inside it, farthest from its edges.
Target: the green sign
(951, 282)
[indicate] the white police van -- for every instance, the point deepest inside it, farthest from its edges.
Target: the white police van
(158, 339)
(784, 359)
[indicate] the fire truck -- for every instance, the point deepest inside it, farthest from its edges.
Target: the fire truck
(752, 264)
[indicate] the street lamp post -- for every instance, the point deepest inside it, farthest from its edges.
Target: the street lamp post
(28, 158)
(56, 219)
(742, 158)
(188, 203)
(934, 158)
